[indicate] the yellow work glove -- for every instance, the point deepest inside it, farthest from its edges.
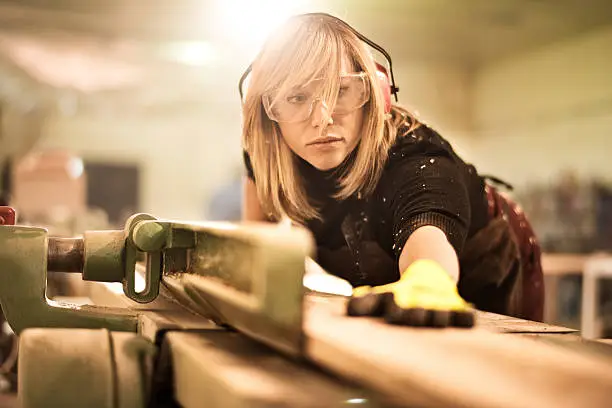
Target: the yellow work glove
(425, 295)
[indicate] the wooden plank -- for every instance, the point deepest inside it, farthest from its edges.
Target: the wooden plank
(225, 369)
(453, 367)
(507, 324)
(576, 344)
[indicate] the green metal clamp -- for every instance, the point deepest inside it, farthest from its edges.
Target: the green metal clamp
(23, 282)
(103, 256)
(153, 262)
(155, 239)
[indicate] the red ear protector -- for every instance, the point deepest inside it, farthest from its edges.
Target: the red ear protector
(388, 86)
(385, 78)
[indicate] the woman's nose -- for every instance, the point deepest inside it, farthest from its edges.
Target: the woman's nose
(321, 114)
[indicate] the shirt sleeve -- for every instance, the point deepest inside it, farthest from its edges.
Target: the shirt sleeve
(248, 166)
(427, 189)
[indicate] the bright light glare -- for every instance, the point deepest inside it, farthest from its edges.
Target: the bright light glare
(117, 288)
(250, 22)
(356, 401)
(139, 283)
(189, 53)
(315, 278)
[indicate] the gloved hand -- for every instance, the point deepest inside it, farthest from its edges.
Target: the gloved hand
(425, 295)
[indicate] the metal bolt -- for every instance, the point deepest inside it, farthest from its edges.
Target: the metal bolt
(65, 255)
(150, 236)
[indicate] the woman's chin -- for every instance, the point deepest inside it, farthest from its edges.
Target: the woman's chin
(327, 163)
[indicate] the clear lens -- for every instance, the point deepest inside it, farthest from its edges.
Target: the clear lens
(296, 105)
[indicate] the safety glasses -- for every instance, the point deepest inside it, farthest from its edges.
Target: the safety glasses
(297, 104)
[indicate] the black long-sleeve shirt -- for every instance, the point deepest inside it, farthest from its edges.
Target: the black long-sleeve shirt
(424, 182)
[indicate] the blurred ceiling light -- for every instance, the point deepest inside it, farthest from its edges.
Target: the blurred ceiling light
(79, 67)
(75, 167)
(250, 22)
(189, 53)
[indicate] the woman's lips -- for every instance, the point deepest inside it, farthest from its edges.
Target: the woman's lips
(327, 140)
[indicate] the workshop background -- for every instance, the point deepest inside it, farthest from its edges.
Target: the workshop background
(111, 107)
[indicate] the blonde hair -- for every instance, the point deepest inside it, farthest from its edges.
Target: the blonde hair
(322, 41)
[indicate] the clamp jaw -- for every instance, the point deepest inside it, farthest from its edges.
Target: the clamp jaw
(27, 254)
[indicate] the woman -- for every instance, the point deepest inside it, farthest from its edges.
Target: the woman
(392, 207)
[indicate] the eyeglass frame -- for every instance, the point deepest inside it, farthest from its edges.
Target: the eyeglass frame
(265, 98)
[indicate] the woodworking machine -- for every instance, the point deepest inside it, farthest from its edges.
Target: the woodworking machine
(203, 314)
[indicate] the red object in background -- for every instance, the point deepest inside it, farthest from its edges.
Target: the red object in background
(7, 216)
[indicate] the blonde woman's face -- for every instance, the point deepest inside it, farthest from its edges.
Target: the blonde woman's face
(328, 135)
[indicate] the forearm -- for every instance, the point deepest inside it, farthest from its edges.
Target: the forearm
(429, 242)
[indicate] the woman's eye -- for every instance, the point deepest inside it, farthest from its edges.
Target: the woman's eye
(343, 90)
(297, 98)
